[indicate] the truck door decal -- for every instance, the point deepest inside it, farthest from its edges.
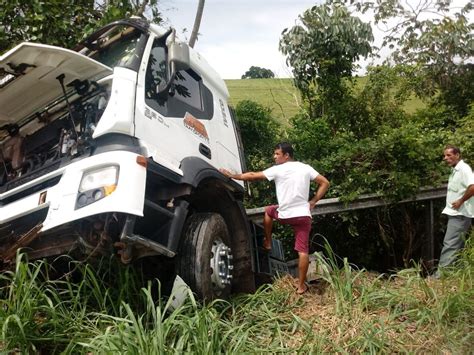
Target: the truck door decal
(195, 126)
(224, 116)
(152, 115)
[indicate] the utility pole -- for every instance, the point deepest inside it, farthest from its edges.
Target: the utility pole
(197, 23)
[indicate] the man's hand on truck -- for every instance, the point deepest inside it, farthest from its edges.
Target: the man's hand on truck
(248, 176)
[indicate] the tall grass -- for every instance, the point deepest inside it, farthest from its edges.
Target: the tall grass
(111, 309)
(342, 280)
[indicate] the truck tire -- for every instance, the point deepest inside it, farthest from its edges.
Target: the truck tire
(204, 256)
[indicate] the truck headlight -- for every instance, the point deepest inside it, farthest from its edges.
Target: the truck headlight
(97, 184)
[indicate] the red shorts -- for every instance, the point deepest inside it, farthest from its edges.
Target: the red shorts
(301, 228)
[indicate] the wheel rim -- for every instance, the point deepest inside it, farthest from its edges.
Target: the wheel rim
(221, 265)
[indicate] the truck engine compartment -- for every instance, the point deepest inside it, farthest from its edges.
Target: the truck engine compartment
(51, 99)
(50, 138)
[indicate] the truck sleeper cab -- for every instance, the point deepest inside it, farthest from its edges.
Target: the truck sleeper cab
(113, 149)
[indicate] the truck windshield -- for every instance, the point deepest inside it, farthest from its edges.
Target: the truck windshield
(120, 46)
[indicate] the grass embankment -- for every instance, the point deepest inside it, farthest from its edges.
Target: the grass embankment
(282, 97)
(347, 311)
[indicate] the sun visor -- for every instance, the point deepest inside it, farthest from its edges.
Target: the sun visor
(28, 75)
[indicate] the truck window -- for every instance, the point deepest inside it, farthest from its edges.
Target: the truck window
(187, 94)
(187, 87)
(120, 46)
(155, 75)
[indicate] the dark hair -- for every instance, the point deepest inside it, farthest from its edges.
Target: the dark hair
(455, 149)
(285, 148)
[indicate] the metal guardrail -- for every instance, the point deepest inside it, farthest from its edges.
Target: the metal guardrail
(335, 205)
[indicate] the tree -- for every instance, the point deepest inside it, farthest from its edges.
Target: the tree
(322, 50)
(258, 73)
(64, 23)
(437, 38)
(362, 137)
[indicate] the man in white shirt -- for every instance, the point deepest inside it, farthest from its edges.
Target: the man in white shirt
(292, 182)
(459, 205)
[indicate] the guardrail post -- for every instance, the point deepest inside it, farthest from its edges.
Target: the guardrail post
(428, 240)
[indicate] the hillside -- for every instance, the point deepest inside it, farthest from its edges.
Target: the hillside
(282, 97)
(278, 94)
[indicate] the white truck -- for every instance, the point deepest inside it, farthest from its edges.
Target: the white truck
(114, 147)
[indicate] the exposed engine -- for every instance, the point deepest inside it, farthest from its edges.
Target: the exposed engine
(61, 131)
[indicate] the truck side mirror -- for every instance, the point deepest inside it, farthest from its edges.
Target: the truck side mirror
(178, 59)
(178, 56)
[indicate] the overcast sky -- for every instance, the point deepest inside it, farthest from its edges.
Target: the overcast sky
(235, 35)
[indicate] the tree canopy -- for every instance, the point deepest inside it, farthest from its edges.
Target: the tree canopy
(64, 23)
(258, 73)
(322, 50)
(436, 37)
(325, 44)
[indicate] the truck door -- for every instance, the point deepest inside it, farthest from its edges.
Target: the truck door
(172, 125)
(226, 139)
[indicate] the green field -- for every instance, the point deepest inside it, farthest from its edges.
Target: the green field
(278, 94)
(282, 97)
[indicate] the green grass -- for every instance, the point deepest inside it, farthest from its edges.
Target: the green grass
(347, 311)
(282, 97)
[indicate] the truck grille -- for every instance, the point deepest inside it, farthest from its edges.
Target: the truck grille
(31, 190)
(30, 176)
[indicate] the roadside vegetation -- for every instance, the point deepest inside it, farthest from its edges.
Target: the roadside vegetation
(381, 134)
(346, 310)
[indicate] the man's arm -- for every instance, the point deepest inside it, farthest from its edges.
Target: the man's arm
(323, 186)
(248, 176)
(467, 195)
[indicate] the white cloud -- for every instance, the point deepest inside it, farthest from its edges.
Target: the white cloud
(237, 35)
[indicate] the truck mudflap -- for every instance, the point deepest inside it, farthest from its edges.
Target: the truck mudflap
(101, 187)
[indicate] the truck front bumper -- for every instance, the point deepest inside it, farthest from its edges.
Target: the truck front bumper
(58, 198)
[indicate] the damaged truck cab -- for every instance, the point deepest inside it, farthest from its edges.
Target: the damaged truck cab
(114, 148)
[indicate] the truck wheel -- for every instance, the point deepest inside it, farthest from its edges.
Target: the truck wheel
(205, 258)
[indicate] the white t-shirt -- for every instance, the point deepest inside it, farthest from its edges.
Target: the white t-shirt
(459, 180)
(292, 181)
